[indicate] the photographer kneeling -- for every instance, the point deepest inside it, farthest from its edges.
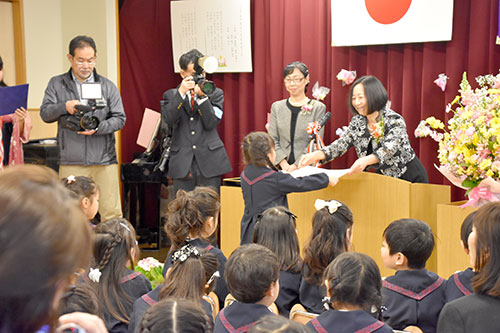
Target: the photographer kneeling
(192, 111)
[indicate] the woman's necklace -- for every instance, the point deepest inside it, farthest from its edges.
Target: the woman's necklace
(298, 103)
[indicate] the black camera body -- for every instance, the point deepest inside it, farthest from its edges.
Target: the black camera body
(84, 118)
(205, 85)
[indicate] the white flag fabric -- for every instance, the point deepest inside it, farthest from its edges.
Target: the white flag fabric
(370, 22)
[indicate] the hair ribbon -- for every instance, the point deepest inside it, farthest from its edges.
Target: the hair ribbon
(332, 205)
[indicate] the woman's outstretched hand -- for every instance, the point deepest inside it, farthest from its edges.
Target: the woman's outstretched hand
(311, 158)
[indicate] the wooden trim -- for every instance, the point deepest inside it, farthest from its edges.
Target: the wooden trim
(19, 43)
(118, 77)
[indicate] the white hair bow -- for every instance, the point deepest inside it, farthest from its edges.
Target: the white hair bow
(95, 274)
(332, 205)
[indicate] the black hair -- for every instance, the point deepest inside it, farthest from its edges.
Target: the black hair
(255, 147)
(81, 297)
(466, 228)
(80, 186)
(2, 82)
(188, 212)
(113, 242)
(487, 261)
(175, 316)
(413, 238)
(250, 271)
(300, 66)
(276, 230)
(80, 42)
(277, 324)
(190, 57)
(375, 94)
(328, 240)
(354, 279)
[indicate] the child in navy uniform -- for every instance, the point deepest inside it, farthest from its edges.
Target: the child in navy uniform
(276, 230)
(252, 273)
(413, 296)
(353, 285)
(459, 284)
(192, 218)
(200, 266)
(331, 236)
(263, 186)
(115, 248)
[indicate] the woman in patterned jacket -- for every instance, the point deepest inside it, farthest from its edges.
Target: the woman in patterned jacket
(377, 133)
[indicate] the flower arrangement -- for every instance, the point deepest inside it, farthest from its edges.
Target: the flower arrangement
(152, 270)
(307, 107)
(469, 148)
(377, 130)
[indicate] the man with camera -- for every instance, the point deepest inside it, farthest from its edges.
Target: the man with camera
(88, 110)
(192, 112)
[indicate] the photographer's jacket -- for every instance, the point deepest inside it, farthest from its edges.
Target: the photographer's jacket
(194, 135)
(77, 149)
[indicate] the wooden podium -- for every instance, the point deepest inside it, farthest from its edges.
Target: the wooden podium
(374, 199)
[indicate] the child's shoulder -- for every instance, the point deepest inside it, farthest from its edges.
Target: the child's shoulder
(414, 283)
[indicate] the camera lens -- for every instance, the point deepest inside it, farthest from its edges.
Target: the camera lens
(89, 122)
(207, 87)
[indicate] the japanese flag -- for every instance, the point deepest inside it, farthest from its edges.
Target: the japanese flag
(369, 22)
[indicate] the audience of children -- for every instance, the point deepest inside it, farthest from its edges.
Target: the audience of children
(85, 190)
(479, 311)
(192, 218)
(175, 316)
(413, 296)
(331, 235)
(353, 285)
(115, 249)
(44, 239)
(460, 283)
(263, 186)
(190, 277)
(252, 273)
(276, 230)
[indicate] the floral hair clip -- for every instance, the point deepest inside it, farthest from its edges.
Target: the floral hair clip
(95, 274)
(184, 253)
(216, 274)
(332, 205)
(70, 179)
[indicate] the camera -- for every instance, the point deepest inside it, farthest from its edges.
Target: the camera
(84, 118)
(209, 65)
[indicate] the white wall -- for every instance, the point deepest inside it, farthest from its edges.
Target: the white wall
(49, 25)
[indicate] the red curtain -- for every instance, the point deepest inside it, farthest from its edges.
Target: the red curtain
(287, 30)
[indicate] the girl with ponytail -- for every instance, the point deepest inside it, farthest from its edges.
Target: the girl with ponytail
(192, 218)
(115, 249)
(263, 186)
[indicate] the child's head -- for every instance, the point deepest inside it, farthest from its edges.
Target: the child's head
(484, 245)
(192, 215)
(44, 239)
(81, 297)
(276, 230)
(258, 149)
(115, 248)
(278, 324)
(85, 190)
(188, 261)
(252, 273)
(466, 229)
(175, 316)
(408, 243)
(353, 279)
(331, 236)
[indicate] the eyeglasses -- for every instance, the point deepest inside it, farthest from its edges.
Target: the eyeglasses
(90, 62)
(295, 80)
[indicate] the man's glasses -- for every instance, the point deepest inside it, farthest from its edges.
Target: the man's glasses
(90, 62)
(295, 80)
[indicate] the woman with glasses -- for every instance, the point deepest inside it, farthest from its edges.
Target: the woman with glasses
(290, 117)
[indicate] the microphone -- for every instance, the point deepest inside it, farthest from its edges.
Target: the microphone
(324, 119)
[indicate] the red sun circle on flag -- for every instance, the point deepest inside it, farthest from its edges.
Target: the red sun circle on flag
(387, 11)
